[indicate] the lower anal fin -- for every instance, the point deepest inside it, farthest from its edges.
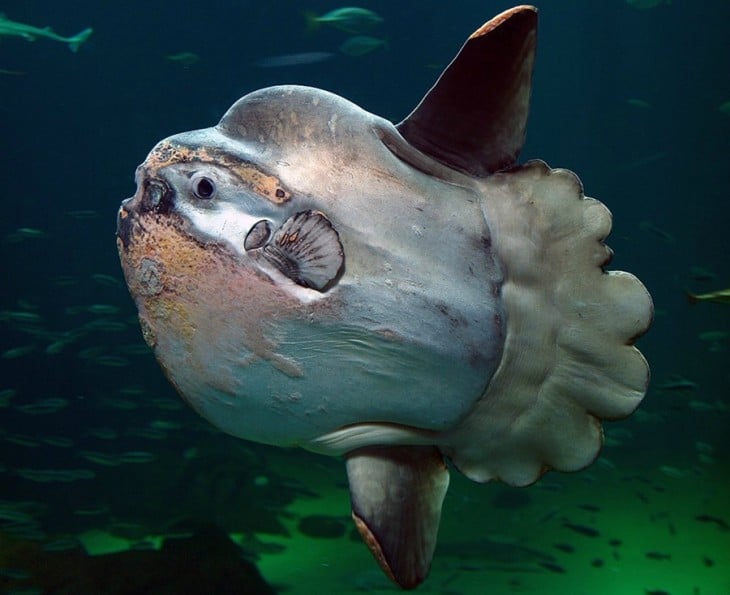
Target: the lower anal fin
(396, 495)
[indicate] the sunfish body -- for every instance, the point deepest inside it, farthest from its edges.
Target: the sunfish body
(309, 274)
(10, 28)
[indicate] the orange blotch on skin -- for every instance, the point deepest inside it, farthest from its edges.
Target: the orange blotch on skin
(263, 184)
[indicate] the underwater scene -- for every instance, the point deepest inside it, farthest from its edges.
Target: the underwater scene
(111, 483)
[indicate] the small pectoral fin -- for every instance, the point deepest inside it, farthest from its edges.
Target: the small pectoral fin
(306, 248)
(396, 495)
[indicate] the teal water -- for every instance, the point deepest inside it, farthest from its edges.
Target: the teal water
(97, 452)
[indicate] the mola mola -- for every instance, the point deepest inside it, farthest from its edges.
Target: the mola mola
(309, 274)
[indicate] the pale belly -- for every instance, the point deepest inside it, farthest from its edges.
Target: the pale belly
(394, 361)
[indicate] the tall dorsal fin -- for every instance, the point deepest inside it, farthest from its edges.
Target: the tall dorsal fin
(473, 119)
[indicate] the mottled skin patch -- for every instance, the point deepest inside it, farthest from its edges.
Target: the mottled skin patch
(200, 290)
(268, 186)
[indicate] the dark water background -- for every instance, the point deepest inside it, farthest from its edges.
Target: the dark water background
(74, 126)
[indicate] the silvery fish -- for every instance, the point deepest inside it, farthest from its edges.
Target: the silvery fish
(349, 18)
(721, 296)
(10, 28)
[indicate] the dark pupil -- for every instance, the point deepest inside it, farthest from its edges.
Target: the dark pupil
(204, 188)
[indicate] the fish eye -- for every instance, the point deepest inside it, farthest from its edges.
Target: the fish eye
(203, 186)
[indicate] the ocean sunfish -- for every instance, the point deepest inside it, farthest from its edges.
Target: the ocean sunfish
(309, 274)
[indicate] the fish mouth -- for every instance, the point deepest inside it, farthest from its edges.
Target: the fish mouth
(153, 196)
(124, 223)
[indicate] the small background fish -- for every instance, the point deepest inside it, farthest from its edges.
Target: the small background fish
(359, 45)
(297, 59)
(184, 58)
(351, 19)
(721, 296)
